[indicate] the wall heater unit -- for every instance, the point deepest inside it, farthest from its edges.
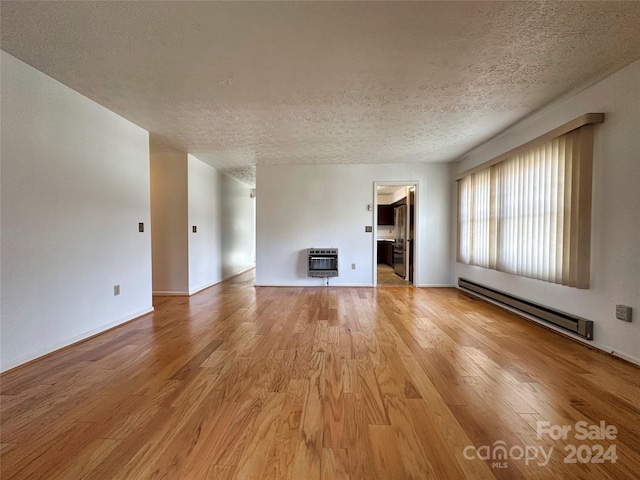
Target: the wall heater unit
(567, 321)
(323, 262)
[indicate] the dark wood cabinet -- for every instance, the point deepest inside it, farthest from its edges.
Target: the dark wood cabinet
(385, 214)
(381, 252)
(385, 252)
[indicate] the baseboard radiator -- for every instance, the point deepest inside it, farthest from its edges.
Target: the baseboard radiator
(567, 321)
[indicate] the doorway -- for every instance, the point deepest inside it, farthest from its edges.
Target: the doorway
(395, 241)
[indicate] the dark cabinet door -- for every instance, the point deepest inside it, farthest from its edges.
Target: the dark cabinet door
(389, 254)
(385, 214)
(385, 252)
(382, 252)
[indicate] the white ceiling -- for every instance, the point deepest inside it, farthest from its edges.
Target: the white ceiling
(388, 189)
(240, 84)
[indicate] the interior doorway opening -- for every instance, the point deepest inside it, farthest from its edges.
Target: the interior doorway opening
(395, 241)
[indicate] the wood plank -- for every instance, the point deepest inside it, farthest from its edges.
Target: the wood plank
(333, 400)
(335, 464)
(281, 456)
(255, 457)
(386, 452)
(307, 462)
(392, 379)
(359, 446)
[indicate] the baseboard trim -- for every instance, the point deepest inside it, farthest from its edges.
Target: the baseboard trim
(72, 341)
(436, 285)
(623, 356)
(163, 293)
(203, 287)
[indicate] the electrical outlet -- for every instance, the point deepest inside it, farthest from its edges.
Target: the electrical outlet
(368, 229)
(116, 290)
(623, 313)
(353, 266)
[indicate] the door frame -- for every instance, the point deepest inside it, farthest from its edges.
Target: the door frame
(416, 233)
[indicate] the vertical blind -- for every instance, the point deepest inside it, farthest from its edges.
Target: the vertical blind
(530, 214)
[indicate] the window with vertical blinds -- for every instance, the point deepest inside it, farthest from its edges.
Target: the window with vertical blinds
(529, 211)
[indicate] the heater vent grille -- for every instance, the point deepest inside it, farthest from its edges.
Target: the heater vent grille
(323, 262)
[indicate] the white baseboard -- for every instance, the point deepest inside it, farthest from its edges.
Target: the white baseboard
(70, 341)
(202, 287)
(623, 356)
(162, 293)
(436, 285)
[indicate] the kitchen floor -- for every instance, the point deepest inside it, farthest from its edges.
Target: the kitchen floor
(387, 277)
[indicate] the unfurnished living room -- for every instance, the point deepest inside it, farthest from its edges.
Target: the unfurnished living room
(319, 240)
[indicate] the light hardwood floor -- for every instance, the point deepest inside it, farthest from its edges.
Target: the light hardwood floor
(387, 277)
(392, 383)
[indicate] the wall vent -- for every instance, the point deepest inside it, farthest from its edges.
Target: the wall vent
(323, 262)
(567, 321)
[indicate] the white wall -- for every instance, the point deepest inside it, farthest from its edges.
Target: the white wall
(615, 240)
(326, 206)
(169, 220)
(237, 226)
(204, 213)
(74, 185)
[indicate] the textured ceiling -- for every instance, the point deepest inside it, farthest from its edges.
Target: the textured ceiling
(240, 84)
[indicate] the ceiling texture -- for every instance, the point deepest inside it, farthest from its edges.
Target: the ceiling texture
(240, 84)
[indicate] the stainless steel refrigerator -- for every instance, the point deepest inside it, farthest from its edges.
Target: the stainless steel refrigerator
(399, 246)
